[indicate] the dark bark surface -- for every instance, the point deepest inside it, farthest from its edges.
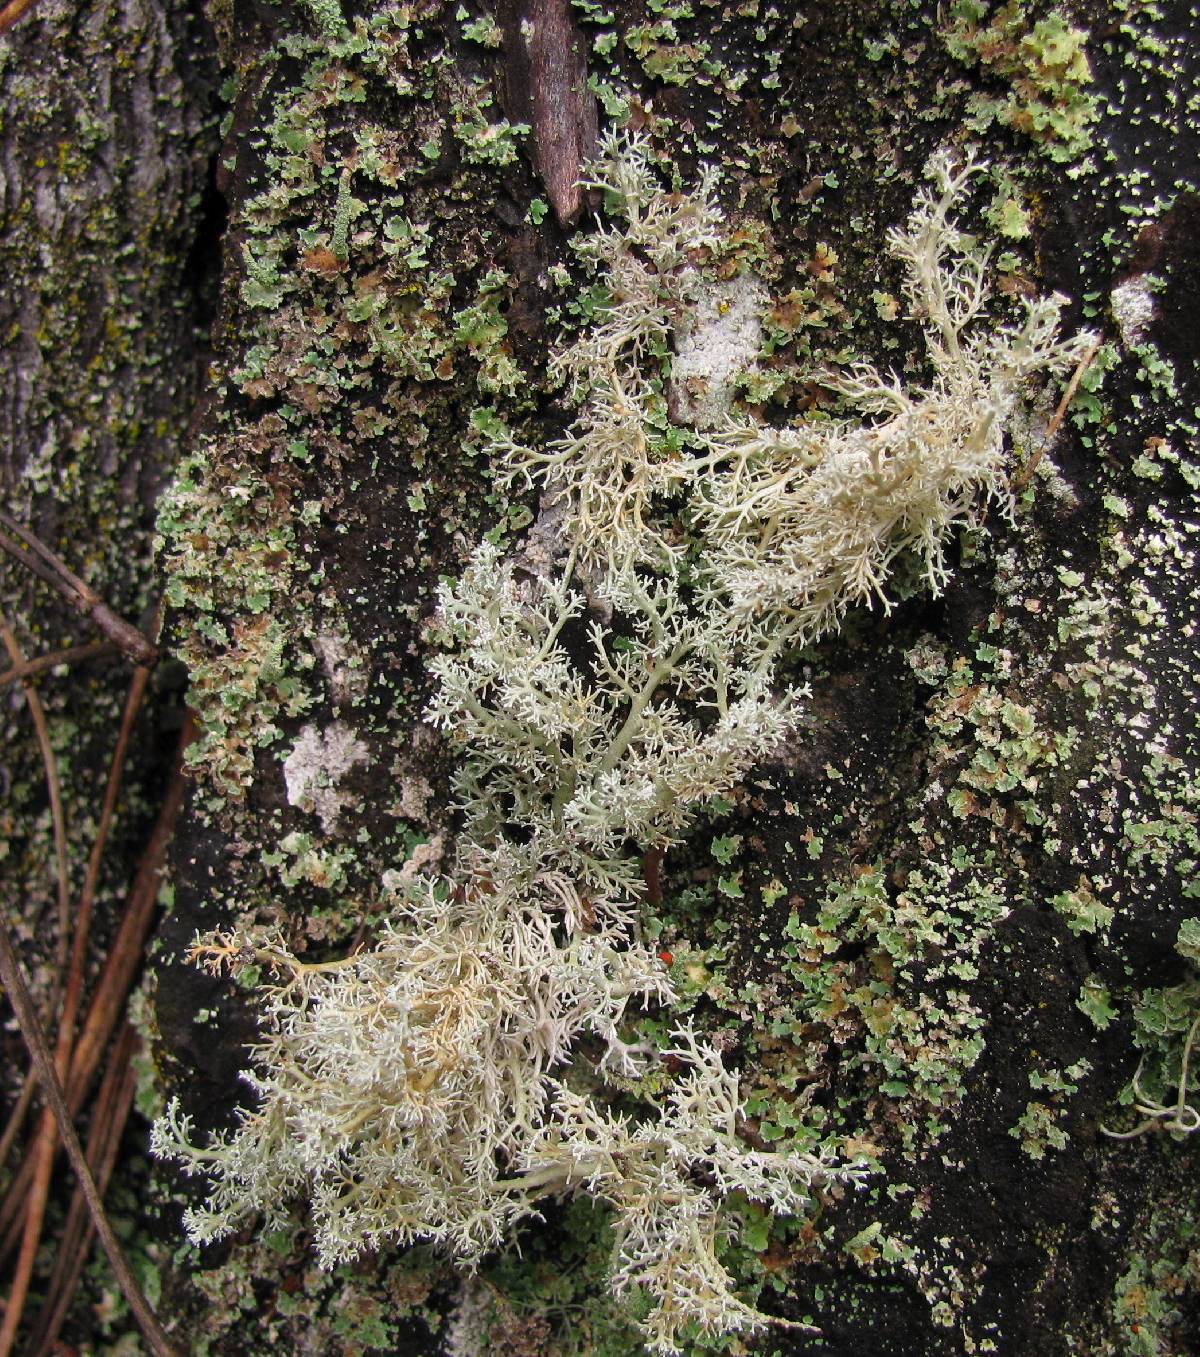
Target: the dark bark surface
(940, 927)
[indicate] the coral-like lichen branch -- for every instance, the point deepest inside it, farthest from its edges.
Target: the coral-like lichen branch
(438, 1085)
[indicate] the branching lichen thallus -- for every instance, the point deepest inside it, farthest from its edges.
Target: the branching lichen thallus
(440, 1084)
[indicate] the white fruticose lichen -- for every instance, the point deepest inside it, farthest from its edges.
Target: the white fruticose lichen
(439, 1085)
(578, 760)
(620, 459)
(811, 523)
(666, 1223)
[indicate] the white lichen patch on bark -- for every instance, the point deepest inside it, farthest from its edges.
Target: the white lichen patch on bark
(319, 760)
(343, 665)
(1133, 307)
(719, 342)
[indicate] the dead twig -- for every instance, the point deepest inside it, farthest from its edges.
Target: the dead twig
(12, 12)
(116, 976)
(1022, 478)
(36, 556)
(91, 650)
(54, 790)
(35, 1041)
(109, 1115)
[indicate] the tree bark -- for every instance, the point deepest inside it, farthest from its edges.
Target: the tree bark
(941, 928)
(107, 267)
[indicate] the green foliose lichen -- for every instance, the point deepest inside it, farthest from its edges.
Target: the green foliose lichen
(1045, 66)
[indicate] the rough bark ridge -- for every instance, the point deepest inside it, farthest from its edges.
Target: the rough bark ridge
(107, 136)
(942, 928)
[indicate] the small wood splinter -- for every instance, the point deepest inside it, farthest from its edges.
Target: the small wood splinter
(547, 88)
